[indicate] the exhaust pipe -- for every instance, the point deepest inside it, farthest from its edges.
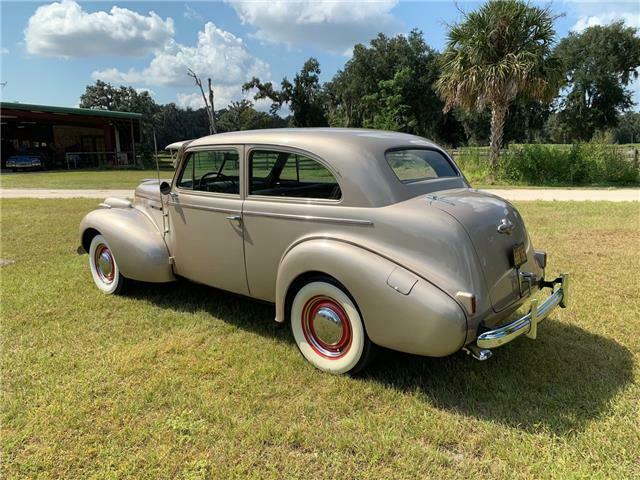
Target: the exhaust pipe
(480, 354)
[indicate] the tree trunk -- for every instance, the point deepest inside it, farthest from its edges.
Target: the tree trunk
(212, 114)
(498, 116)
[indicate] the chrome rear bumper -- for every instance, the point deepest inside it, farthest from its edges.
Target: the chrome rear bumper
(526, 325)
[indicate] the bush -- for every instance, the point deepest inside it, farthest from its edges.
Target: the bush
(580, 164)
(473, 161)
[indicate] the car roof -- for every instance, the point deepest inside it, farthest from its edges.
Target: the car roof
(356, 155)
(317, 140)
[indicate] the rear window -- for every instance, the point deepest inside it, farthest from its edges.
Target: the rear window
(413, 165)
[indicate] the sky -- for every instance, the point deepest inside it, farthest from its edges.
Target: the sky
(50, 51)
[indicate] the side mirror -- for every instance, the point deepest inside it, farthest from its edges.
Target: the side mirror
(165, 188)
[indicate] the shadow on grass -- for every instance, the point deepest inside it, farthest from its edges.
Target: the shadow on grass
(558, 383)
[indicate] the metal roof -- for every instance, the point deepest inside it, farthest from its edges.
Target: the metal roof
(85, 112)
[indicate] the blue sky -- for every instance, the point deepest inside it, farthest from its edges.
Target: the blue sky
(52, 50)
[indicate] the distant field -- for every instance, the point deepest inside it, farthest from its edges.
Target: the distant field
(80, 179)
(184, 381)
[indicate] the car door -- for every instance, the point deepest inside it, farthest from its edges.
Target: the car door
(289, 194)
(205, 218)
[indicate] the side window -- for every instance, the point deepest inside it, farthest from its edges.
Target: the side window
(212, 171)
(284, 174)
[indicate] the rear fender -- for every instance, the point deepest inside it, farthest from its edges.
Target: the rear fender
(401, 310)
(135, 241)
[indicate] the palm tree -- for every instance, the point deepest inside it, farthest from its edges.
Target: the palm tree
(497, 52)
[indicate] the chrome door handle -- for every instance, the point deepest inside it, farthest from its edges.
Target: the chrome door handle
(173, 194)
(237, 218)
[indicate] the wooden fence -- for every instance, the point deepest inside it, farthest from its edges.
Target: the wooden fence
(632, 153)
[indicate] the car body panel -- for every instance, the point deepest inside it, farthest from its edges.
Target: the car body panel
(427, 321)
(134, 239)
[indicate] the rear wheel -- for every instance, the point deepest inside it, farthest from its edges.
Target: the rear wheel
(104, 268)
(328, 328)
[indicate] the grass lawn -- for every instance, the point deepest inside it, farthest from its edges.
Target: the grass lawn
(82, 179)
(183, 381)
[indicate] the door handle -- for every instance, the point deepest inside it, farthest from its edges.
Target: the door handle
(173, 194)
(236, 218)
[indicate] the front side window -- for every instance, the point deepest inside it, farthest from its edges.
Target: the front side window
(414, 165)
(285, 174)
(212, 171)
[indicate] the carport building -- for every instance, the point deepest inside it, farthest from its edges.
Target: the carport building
(70, 137)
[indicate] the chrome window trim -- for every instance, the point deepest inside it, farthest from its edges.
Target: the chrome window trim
(278, 148)
(446, 156)
(203, 148)
(310, 218)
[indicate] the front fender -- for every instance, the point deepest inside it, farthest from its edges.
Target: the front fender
(400, 309)
(135, 241)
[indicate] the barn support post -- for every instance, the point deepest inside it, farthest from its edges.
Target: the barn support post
(133, 144)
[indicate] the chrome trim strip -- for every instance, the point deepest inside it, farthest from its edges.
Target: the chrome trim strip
(203, 207)
(310, 218)
(528, 324)
(157, 199)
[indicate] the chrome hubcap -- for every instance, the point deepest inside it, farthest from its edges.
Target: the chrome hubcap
(105, 266)
(326, 327)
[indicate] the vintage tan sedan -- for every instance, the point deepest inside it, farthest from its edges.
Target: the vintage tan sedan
(361, 238)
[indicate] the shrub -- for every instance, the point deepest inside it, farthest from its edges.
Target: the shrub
(580, 164)
(474, 163)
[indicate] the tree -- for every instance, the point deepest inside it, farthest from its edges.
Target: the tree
(628, 129)
(173, 124)
(242, 116)
(208, 104)
(304, 96)
(389, 84)
(527, 120)
(105, 96)
(497, 52)
(599, 65)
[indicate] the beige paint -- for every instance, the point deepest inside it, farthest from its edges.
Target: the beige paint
(403, 251)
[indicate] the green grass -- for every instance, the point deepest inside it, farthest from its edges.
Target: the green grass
(183, 381)
(80, 179)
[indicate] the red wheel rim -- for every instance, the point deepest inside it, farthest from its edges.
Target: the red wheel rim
(104, 264)
(326, 327)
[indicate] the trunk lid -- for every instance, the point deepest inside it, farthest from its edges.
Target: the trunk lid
(480, 214)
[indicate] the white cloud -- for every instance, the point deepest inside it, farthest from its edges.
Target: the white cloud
(148, 90)
(223, 96)
(191, 14)
(631, 19)
(332, 25)
(218, 54)
(65, 30)
(4, 51)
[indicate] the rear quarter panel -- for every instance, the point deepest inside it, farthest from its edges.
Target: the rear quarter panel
(425, 321)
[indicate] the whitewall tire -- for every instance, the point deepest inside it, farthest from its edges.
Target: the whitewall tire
(328, 329)
(104, 268)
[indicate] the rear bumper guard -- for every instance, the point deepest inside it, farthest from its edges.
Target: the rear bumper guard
(526, 325)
